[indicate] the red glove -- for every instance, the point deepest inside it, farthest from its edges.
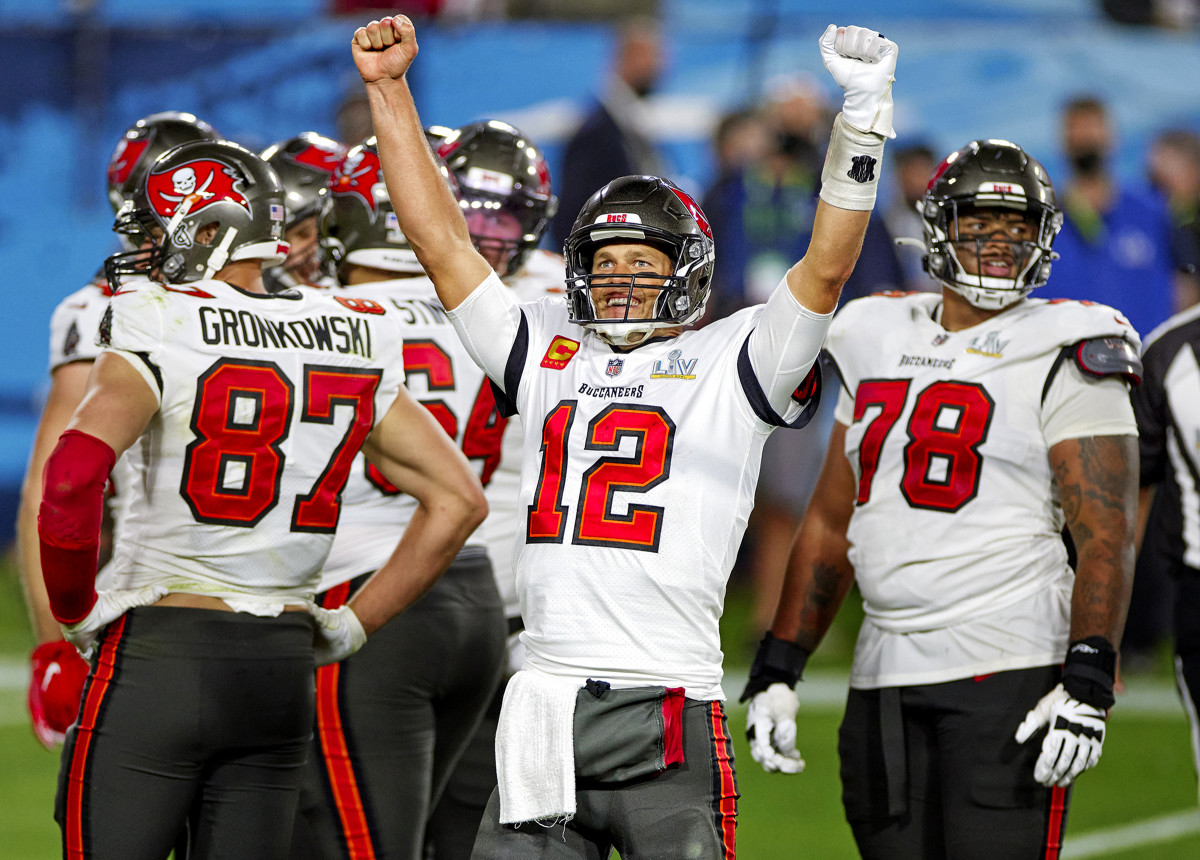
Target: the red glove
(55, 690)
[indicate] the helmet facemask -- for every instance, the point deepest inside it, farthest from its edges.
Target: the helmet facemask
(962, 262)
(624, 211)
(138, 232)
(993, 182)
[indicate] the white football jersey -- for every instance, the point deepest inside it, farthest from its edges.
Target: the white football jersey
(542, 275)
(263, 402)
(75, 324)
(74, 329)
(639, 470)
(438, 373)
(956, 531)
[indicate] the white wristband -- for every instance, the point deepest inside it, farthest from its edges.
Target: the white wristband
(852, 162)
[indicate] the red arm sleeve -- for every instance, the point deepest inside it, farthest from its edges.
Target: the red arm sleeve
(69, 522)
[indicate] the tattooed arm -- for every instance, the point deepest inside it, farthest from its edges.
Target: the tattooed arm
(1097, 479)
(819, 574)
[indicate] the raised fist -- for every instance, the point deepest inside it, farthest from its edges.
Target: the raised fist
(383, 50)
(863, 63)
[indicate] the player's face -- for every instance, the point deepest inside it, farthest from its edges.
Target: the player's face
(984, 241)
(637, 272)
(495, 233)
(302, 260)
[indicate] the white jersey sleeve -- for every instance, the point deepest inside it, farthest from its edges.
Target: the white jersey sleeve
(75, 325)
(489, 321)
(783, 348)
(1078, 406)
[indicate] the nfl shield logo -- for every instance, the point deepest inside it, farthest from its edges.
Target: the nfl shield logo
(615, 365)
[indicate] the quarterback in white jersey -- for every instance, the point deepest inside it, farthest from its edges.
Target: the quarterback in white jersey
(56, 680)
(244, 410)
(641, 456)
(972, 426)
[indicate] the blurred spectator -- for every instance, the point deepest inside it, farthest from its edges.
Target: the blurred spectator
(1114, 248)
(612, 140)
(914, 164)
(1172, 14)
(1114, 245)
(762, 211)
(761, 214)
(1173, 165)
(740, 138)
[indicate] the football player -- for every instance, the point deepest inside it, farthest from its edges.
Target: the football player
(56, 681)
(507, 201)
(304, 164)
(393, 718)
(243, 411)
(640, 459)
(1168, 424)
(972, 425)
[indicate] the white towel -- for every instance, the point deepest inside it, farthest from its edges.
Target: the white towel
(535, 749)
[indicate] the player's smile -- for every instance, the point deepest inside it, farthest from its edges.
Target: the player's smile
(620, 302)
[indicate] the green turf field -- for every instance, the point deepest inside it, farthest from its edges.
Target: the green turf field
(1141, 802)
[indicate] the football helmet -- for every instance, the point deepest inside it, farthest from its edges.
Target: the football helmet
(357, 224)
(989, 174)
(654, 211)
(505, 186)
(146, 140)
(192, 186)
(304, 164)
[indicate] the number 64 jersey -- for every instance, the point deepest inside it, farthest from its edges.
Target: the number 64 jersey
(263, 402)
(955, 536)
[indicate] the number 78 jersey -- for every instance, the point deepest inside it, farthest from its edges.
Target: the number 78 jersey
(948, 433)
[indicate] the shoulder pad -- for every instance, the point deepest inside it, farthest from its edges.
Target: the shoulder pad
(1105, 356)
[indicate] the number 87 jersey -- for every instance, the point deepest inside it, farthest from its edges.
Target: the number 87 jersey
(948, 433)
(263, 402)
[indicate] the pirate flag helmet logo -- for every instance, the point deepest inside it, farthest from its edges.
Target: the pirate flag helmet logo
(201, 206)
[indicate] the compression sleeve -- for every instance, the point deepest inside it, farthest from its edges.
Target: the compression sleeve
(783, 347)
(69, 522)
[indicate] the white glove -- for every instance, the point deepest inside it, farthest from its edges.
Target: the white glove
(771, 728)
(339, 634)
(109, 606)
(863, 63)
(1074, 739)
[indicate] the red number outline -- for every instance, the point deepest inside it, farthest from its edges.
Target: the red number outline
(959, 446)
(641, 527)
(241, 378)
(318, 511)
(546, 521)
(261, 440)
(889, 395)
